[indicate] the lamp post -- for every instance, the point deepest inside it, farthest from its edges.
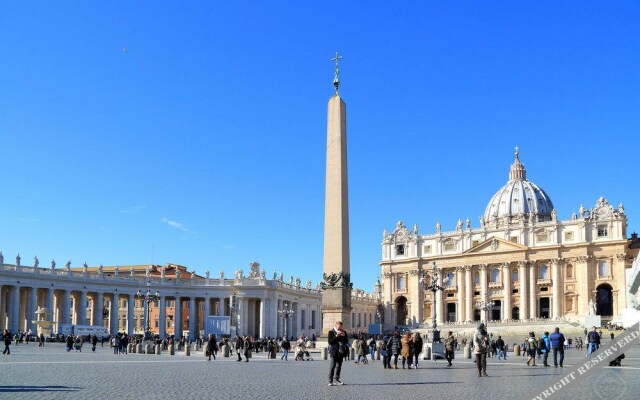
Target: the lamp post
(485, 306)
(286, 313)
(430, 282)
(148, 298)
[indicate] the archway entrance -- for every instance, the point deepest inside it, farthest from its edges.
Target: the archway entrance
(451, 312)
(401, 311)
(497, 310)
(544, 307)
(604, 300)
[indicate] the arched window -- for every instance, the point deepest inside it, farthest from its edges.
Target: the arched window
(603, 268)
(569, 271)
(450, 279)
(495, 275)
(401, 283)
(543, 272)
(514, 275)
(477, 279)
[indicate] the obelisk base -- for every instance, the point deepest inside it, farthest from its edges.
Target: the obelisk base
(332, 315)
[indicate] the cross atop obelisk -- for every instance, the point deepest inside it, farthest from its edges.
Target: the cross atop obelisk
(336, 295)
(336, 79)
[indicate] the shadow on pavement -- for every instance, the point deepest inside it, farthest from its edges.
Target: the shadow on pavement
(399, 383)
(24, 389)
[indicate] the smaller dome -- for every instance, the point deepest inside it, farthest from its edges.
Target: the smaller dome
(520, 199)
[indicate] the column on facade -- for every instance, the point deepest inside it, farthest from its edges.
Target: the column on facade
(280, 322)
(113, 315)
(263, 318)
(83, 308)
(131, 304)
(30, 313)
(207, 309)
(484, 290)
(506, 284)
(461, 286)
(48, 304)
(22, 309)
(66, 306)
(522, 275)
(177, 317)
(162, 316)
(192, 317)
(98, 308)
(2, 305)
(14, 317)
(440, 306)
(221, 306)
(468, 288)
(555, 289)
(532, 291)
(239, 322)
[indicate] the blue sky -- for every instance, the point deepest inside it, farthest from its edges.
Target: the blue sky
(203, 143)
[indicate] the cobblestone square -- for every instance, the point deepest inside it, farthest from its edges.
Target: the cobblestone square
(52, 373)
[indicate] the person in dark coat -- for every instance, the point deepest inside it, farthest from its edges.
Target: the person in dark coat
(337, 340)
(239, 345)
(7, 342)
(94, 342)
(394, 348)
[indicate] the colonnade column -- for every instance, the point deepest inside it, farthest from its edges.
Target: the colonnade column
(468, 288)
(131, 304)
(461, 286)
(506, 280)
(263, 318)
(192, 317)
(98, 312)
(177, 318)
(522, 275)
(207, 309)
(114, 315)
(30, 311)
(82, 312)
(48, 304)
(14, 317)
(66, 306)
(162, 317)
(532, 291)
(555, 289)
(221, 306)
(485, 290)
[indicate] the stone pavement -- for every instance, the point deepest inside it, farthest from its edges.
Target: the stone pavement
(52, 373)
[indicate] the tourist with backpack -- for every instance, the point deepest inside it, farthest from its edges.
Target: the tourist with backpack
(544, 345)
(557, 344)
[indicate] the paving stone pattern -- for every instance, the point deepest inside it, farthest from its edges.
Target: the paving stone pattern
(52, 373)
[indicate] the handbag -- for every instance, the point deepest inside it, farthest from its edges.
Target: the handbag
(343, 350)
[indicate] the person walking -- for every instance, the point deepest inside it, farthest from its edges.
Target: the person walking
(417, 348)
(286, 346)
(532, 345)
(406, 350)
(557, 340)
(394, 348)
(593, 341)
(545, 347)
(449, 346)
(338, 349)
(480, 348)
(239, 343)
(246, 346)
(69, 342)
(6, 336)
(94, 342)
(212, 347)
(386, 364)
(501, 349)
(372, 349)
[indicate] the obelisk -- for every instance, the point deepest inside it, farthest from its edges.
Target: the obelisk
(336, 295)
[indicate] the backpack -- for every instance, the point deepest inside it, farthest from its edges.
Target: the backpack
(542, 344)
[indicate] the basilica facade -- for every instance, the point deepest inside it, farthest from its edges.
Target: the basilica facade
(524, 260)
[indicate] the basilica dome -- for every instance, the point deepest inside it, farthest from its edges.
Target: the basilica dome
(518, 200)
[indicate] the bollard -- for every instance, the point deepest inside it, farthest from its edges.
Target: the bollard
(187, 350)
(172, 350)
(377, 354)
(516, 350)
(130, 348)
(426, 351)
(148, 349)
(324, 354)
(195, 346)
(352, 354)
(138, 348)
(467, 351)
(158, 349)
(225, 351)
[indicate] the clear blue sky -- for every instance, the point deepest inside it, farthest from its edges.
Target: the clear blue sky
(205, 140)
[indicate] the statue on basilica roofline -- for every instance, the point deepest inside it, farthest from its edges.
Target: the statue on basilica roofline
(206, 274)
(415, 229)
(582, 211)
(291, 280)
(100, 269)
(275, 275)
(468, 223)
(554, 215)
(459, 225)
(263, 274)
(298, 281)
(221, 274)
(85, 267)
(281, 277)
(620, 208)
(438, 226)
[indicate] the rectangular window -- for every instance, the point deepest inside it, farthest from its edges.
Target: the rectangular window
(603, 231)
(514, 291)
(476, 293)
(514, 239)
(400, 250)
(474, 243)
(543, 237)
(157, 323)
(568, 236)
(449, 246)
(426, 249)
(169, 322)
(313, 319)
(303, 319)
